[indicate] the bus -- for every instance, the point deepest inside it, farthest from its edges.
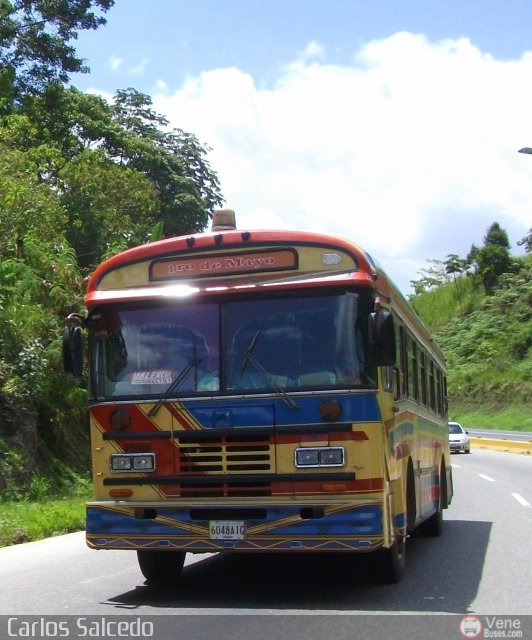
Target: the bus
(258, 391)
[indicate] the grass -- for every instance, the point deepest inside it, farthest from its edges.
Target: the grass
(509, 418)
(439, 307)
(27, 520)
(40, 512)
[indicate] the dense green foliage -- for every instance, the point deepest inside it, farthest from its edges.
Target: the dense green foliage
(486, 335)
(36, 49)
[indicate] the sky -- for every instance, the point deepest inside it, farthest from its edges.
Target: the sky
(393, 123)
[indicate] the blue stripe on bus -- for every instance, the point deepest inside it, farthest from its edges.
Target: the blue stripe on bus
(250, 412)
(400, 520)
(280, 521)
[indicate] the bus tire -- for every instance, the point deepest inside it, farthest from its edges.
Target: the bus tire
(161, 567)
(392, 562)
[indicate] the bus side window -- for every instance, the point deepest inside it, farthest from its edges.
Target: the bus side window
(403, 361)
(432, 387)
(415, 370)
(423, 377)
(439, 392)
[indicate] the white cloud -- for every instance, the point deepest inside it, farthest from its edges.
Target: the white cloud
(410, 151)
(312, 50)
(115, 63)
(140, 67)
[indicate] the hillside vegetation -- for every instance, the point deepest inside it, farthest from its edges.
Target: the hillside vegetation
(487, 339)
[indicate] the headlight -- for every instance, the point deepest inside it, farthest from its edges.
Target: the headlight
(320, 457)
(121, 463)
(307, 458)
(144, 463)
(332, 457)
(139, 462)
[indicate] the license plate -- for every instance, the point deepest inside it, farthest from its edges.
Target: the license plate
(227, 530)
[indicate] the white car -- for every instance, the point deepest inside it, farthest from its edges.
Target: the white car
(458, 438)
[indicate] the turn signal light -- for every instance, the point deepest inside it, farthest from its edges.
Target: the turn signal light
(121, 493)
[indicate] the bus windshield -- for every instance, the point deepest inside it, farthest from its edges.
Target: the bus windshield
(248, 345)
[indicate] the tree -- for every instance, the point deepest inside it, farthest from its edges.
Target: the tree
(493, 259)
(35, 37)
(118, 170)
(174, 160)
(135, 138)
(453, 265)
(27, 204)
(431, 278)
(471, 258)
(110, 207)
(497, 236)
(526, 242)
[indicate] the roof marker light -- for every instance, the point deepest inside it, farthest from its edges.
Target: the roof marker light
(223, 220)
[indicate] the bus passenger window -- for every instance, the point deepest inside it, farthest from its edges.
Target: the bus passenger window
(423, 377)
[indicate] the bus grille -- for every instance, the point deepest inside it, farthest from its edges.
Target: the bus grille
(226, 490)
(230, 454)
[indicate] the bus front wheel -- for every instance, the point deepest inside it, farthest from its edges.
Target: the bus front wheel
(160, 566)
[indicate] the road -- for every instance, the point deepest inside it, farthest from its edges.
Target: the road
(480, 565)
(521, 436)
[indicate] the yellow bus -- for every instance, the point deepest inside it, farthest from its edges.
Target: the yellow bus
(258, 391)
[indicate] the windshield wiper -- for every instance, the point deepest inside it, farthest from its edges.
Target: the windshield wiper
(249, 357)
(175, 384)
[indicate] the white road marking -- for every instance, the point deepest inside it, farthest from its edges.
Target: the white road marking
(521, 500)
(486, 477)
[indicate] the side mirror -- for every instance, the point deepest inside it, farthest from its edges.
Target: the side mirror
(72, 352)
(383, 337)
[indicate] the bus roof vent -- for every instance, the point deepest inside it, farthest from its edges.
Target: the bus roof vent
(223, 219)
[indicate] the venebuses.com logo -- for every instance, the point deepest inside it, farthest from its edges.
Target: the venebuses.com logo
(490, 627)
(470, 627)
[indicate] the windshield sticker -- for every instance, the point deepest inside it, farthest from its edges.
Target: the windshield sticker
(157, 376)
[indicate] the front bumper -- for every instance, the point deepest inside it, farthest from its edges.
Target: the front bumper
(328, 527)
(456, 447)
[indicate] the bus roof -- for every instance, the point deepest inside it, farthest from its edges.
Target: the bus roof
(229, 259)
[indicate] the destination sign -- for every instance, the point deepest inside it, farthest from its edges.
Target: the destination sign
(223, 264)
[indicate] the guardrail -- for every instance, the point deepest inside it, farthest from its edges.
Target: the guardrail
(512, 446)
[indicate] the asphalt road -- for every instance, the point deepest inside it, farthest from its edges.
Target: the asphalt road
(521, 436)
(480, 565)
